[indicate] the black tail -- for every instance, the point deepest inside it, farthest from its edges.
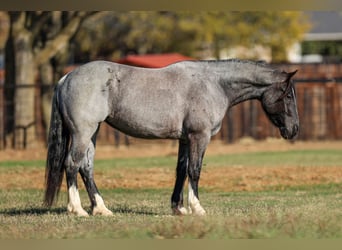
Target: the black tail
(58, 143)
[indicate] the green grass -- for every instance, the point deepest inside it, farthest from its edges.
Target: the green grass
(287, 158)
(293, 212)
(146, 214)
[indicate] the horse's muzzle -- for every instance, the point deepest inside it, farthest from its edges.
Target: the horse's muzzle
(289, 134)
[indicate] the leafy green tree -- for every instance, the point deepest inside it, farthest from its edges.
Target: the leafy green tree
(120, 33)
(277, 30)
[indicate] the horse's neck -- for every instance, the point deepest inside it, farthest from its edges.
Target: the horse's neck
(240, 92)
(243, 81)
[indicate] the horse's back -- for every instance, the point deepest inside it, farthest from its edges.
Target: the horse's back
(146, 103)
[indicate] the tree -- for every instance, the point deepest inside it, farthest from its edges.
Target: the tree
(121, 33)
(274, 29)
(35, 43)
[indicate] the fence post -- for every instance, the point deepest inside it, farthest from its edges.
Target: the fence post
(2, 118)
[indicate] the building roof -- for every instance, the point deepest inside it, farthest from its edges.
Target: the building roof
(326, 25)
(153, 60)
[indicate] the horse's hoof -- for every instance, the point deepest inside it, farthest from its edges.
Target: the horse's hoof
(78, 211)
(179, 211)
(197, 209)
(102, 211)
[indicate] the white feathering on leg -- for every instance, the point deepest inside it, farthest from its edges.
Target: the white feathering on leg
(100, 207)
(74, 205)
(194, 204)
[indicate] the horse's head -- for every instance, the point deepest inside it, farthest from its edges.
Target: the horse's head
(279, 103)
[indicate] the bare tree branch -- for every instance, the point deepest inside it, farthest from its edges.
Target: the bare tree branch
(61, 39)
(38, 21)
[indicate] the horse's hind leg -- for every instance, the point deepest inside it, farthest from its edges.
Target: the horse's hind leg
(73, 163)
(86, 171)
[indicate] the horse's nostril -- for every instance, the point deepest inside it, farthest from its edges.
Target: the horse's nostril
(295, 129)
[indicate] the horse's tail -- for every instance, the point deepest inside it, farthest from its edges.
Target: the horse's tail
(58, 142)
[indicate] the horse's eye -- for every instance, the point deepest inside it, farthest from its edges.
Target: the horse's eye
(289, 96)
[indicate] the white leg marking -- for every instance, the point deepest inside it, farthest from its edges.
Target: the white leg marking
(74, 205)
(194, 204)
(100, 207)
(179, 210)
(183, 210)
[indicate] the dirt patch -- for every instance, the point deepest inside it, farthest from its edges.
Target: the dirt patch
(261, 178)
(145, 148)
(230, 178)
(227, 178)
(220, 179)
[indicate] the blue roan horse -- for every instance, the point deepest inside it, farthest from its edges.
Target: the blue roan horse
(185, 101)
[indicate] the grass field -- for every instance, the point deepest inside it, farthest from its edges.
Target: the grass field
(292, 193)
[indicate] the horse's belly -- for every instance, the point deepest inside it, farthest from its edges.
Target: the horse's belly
(147, 129)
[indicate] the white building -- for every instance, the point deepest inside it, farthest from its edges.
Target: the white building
(326, 26)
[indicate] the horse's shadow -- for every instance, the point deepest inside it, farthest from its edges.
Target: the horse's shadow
(32, 211)
(128, 210)
(62, 210)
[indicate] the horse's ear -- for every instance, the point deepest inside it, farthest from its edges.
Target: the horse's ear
(288, 83)
(290, 75)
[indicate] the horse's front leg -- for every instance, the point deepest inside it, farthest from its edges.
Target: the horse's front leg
(198, 145)
(177, 205)
(86, 171)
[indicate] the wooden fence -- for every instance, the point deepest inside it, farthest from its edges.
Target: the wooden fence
(319, 108)
(319, 100)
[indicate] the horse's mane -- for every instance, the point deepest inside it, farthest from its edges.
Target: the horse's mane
(259, 63)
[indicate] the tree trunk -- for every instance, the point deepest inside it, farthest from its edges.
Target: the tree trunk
(32, 44)
(46, 80)
(8, 111)
(278, 54)
(24, 80)
(24, 97)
